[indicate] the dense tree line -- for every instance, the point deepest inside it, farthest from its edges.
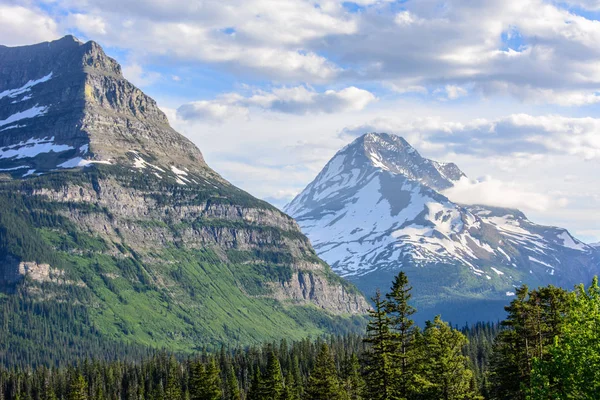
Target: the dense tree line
(547, 348)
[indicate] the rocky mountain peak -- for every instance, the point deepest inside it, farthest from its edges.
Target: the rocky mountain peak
(394, 154)
(65, 104)
(377, 207)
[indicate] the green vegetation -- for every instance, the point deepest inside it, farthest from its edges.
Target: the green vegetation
(547, 348)
(339, 368)
(100, 290)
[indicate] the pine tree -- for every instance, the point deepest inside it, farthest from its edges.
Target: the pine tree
(354, 382)
(205, 382)
(255, 386)
(272, 382)
(173, 387)
(78, 388)
(534, 320)
(403, 335)
(445, 373)
(291, 391)
(323, 383)
(233, 388)
(379, 373)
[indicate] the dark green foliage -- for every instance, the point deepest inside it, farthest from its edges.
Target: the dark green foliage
(443, 372)
(271, 385)
(379, 371)
(403, 331)
(323, 383)
(534, 320)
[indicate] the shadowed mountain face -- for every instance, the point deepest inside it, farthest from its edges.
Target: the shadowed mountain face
(106, 207)
(65, 104)
(378, 207)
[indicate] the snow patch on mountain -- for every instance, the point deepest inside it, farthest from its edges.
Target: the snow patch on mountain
(376, 206)
(32, 112)
(12, 93)
(32, 148)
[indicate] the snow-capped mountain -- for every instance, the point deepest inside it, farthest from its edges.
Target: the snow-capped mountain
(378, 206)
(71, 107)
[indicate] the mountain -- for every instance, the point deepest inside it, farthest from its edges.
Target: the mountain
(378, 207)
(113, 220)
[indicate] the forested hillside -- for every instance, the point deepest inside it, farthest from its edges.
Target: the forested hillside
(547, 348)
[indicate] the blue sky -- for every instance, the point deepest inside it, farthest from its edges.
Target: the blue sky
(271, 89)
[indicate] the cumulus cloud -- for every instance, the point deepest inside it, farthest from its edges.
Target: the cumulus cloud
(211, 111)
(92, 26)
(518, 135)
(260, 36)
(537, 50)
(289, 100)
(135, 73)
(25, 25)
(593, 5)
(493, 192)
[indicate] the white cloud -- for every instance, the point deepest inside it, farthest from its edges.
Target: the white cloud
(494, 192)
(536, 50)
(289, 100)
(25, 25)
(211, 111)
(517, 136)
(593, 5)
(92, 26)
(135, 73)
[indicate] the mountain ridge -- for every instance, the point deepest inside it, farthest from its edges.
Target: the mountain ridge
(369, 220)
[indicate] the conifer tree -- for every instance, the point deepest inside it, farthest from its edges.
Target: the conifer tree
(323, 383)
(444, 373)
(205, 382)
(173, 388)
(78, 388)
(255, 386)
(272, 382)
(354, 382)
(379, 373)
(403, 335)
(534, 320)
(291, 391)
(233, 388)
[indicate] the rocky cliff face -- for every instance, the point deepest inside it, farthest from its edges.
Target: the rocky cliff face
(103, 195)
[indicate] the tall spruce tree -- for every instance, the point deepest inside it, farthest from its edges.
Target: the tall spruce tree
(354, 383)
(534, 320)
(78, 388)
(323, 383)
(173, 386)
(272, 382)
(445, 373)
(232, 386)
(379, 372)
(255, 385)
(403, 335)
(205, 381)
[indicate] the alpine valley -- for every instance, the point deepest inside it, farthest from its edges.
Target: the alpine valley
(378, 207)
(114, 230)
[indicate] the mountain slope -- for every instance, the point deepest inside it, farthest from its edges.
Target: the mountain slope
(377, 207)
(106, 207)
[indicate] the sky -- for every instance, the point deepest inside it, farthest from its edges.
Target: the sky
(269, 90)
